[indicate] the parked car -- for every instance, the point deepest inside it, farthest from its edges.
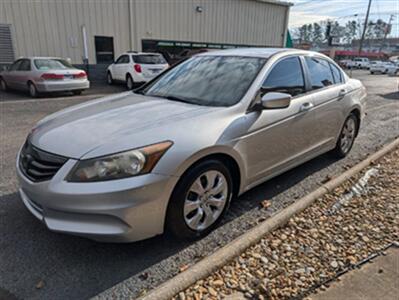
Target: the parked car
(392, 68)
(361, 63)
(172, 154)
(134, 68)
(345, 63)
(44, 74)
(383, 67)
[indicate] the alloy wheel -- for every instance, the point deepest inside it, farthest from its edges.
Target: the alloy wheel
(205, 200)
(32, 90)
(109, 78)
(348, 135)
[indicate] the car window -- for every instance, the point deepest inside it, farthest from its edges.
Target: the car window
(319, 72)
(151, 59)
(24, 65)
(207, 80)
(43, 64)
(285, 77)
(337, 74)
(124, 59)
(15, 65)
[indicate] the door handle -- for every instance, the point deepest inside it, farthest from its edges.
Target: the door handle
(306, 106)
(342, 93)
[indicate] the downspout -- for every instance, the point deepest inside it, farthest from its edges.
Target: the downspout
(130, 24)
(85, 56)
(287, 16)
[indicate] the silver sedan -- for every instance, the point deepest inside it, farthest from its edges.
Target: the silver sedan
(174, 153)
(43, 74)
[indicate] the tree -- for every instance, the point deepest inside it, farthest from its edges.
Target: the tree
(379, 29)
(350, 31)
(317, 34)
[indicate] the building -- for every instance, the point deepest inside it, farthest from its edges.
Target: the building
(99, 30)
(389, 45)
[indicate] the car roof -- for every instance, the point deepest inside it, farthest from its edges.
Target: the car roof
(140, 53)
(39, 57)
(254, 52)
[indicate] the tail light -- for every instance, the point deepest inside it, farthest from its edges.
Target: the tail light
(80, 75)
(52, 76)
(137, 68)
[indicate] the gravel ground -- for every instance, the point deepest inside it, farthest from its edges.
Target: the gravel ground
(333, 234)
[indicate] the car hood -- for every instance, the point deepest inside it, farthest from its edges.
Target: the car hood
(126, 119)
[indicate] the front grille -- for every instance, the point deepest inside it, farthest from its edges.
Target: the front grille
(39, 165)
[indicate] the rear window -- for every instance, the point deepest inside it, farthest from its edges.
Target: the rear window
(52, 64)
(150, 59)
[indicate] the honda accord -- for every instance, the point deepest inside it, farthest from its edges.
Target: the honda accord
(171, 155)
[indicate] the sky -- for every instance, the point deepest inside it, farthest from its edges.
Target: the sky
(309, 11)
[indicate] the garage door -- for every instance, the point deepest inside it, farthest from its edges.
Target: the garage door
(6, 48)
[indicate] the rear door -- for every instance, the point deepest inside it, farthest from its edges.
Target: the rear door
(329, 94)
(22, 74)
(121, 67)
(10, 76)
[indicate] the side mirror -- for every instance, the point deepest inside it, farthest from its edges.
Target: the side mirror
(274, 100)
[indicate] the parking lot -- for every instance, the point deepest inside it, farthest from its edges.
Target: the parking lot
(39, 264)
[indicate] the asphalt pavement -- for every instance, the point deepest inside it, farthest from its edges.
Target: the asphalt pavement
(38, 264)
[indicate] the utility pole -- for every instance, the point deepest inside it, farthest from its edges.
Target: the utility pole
(365, 27)
(386, 33)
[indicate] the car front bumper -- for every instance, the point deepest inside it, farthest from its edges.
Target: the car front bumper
(122, 210)
(62, 85)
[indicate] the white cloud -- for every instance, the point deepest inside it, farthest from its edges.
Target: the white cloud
(298, 18)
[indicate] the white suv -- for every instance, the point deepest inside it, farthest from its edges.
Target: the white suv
(136, 67)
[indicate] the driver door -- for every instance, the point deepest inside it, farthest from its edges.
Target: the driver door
(278, 139)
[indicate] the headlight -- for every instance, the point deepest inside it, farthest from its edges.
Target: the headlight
(120, 165)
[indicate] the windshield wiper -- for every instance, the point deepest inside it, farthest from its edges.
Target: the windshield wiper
(170, 97)
(174, 98)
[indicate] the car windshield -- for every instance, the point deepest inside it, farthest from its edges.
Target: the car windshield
(207, 80)
(151, 59)
(52, 64)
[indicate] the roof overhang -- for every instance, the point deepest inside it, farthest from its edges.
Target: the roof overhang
(277, 2)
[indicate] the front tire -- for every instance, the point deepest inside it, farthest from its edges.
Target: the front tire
(3, 85)
(347, 137)
(129, 82)
(110, 81)
(33, 90)
(200, 200)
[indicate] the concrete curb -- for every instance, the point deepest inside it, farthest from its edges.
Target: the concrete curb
(225, 254)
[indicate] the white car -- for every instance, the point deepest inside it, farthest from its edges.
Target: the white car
(383, 67)
(361, 63)
(136, 67)
(392, 68)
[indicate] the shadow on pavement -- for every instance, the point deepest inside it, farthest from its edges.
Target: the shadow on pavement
(391, 96)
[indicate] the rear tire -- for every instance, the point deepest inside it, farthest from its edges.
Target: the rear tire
(199, 200)
(3, 85)
(110, 81)
(78, 92)
(129, 82)
(347, 137)
(33, 90)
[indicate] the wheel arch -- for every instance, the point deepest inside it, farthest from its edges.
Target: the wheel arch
(356, 111)
(228, 156)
